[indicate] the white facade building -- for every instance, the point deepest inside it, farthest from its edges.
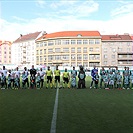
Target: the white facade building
(24, 49)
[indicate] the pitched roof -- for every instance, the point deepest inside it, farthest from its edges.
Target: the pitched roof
(5, 42)
(30, 36)
(131, 37)
(116, 37)
(70, 34)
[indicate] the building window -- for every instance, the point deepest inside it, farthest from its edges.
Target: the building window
(44, 51)
(65, 42)
(97, 41)
(73, 57)
(79, 63)
(79, 41)
(119, 49)
(41, 44)
(94, 56)
(79, 57)
(66, 50)
(40, 58)
(105, 50)
(85, 64)
(57, 42)
(50, 50)
(57, 50)
(57, 57)
(72, 50)
(97, 49)
(90, 49)
(92, 64)
(50, 57)
(79, 50)
(113, 56)
(91, 41)
(40, 51)
(45, 43)
(113, 62)
(105, 62)
(37, 58)
(50, 43)
(73, 41)
(105, 56)
(37, 45)
(120, 62)
(85, 50)
(44, 58)
(120, 56)
(65, 57)
(113, 49)
(85, 41)
(73, 63)
(85, 57)
(37, 52)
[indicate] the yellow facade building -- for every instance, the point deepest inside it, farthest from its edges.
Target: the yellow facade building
(69, 48)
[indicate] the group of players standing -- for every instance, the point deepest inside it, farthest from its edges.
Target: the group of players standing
(35, 79)
(112, 78)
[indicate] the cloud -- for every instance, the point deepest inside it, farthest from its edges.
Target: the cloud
(11, 31)
(40, 3)
(59, 9)
(19, 19)
(124, 8)
(70, 16)
(57, 4)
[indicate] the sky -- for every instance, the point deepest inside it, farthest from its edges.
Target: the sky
(28, 16)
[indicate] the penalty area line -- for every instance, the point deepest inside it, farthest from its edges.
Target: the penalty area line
(54, 118)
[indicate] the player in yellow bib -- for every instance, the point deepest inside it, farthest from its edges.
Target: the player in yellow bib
(57, 77)
(49, 76)
(66, 78)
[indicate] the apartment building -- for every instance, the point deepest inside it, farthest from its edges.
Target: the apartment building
(5, 52)
(24, 49)
(69, 48)
(117, 50)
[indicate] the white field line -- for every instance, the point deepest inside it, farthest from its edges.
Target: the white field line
(54, 118)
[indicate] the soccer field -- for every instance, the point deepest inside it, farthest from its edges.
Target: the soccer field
(79, 110)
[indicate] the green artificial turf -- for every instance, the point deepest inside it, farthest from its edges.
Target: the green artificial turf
(26, 111)
(95, 111)
(79, 110)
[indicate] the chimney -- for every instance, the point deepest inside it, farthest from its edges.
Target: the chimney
(44, 33)
(126, 33)
(21, 36)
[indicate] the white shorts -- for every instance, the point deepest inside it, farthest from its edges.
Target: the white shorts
(111, 82)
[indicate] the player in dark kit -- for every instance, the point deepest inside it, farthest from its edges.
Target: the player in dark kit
(32, 77)
(93, 72)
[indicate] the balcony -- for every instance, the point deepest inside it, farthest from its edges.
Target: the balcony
(125, 57)
(125, 63)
